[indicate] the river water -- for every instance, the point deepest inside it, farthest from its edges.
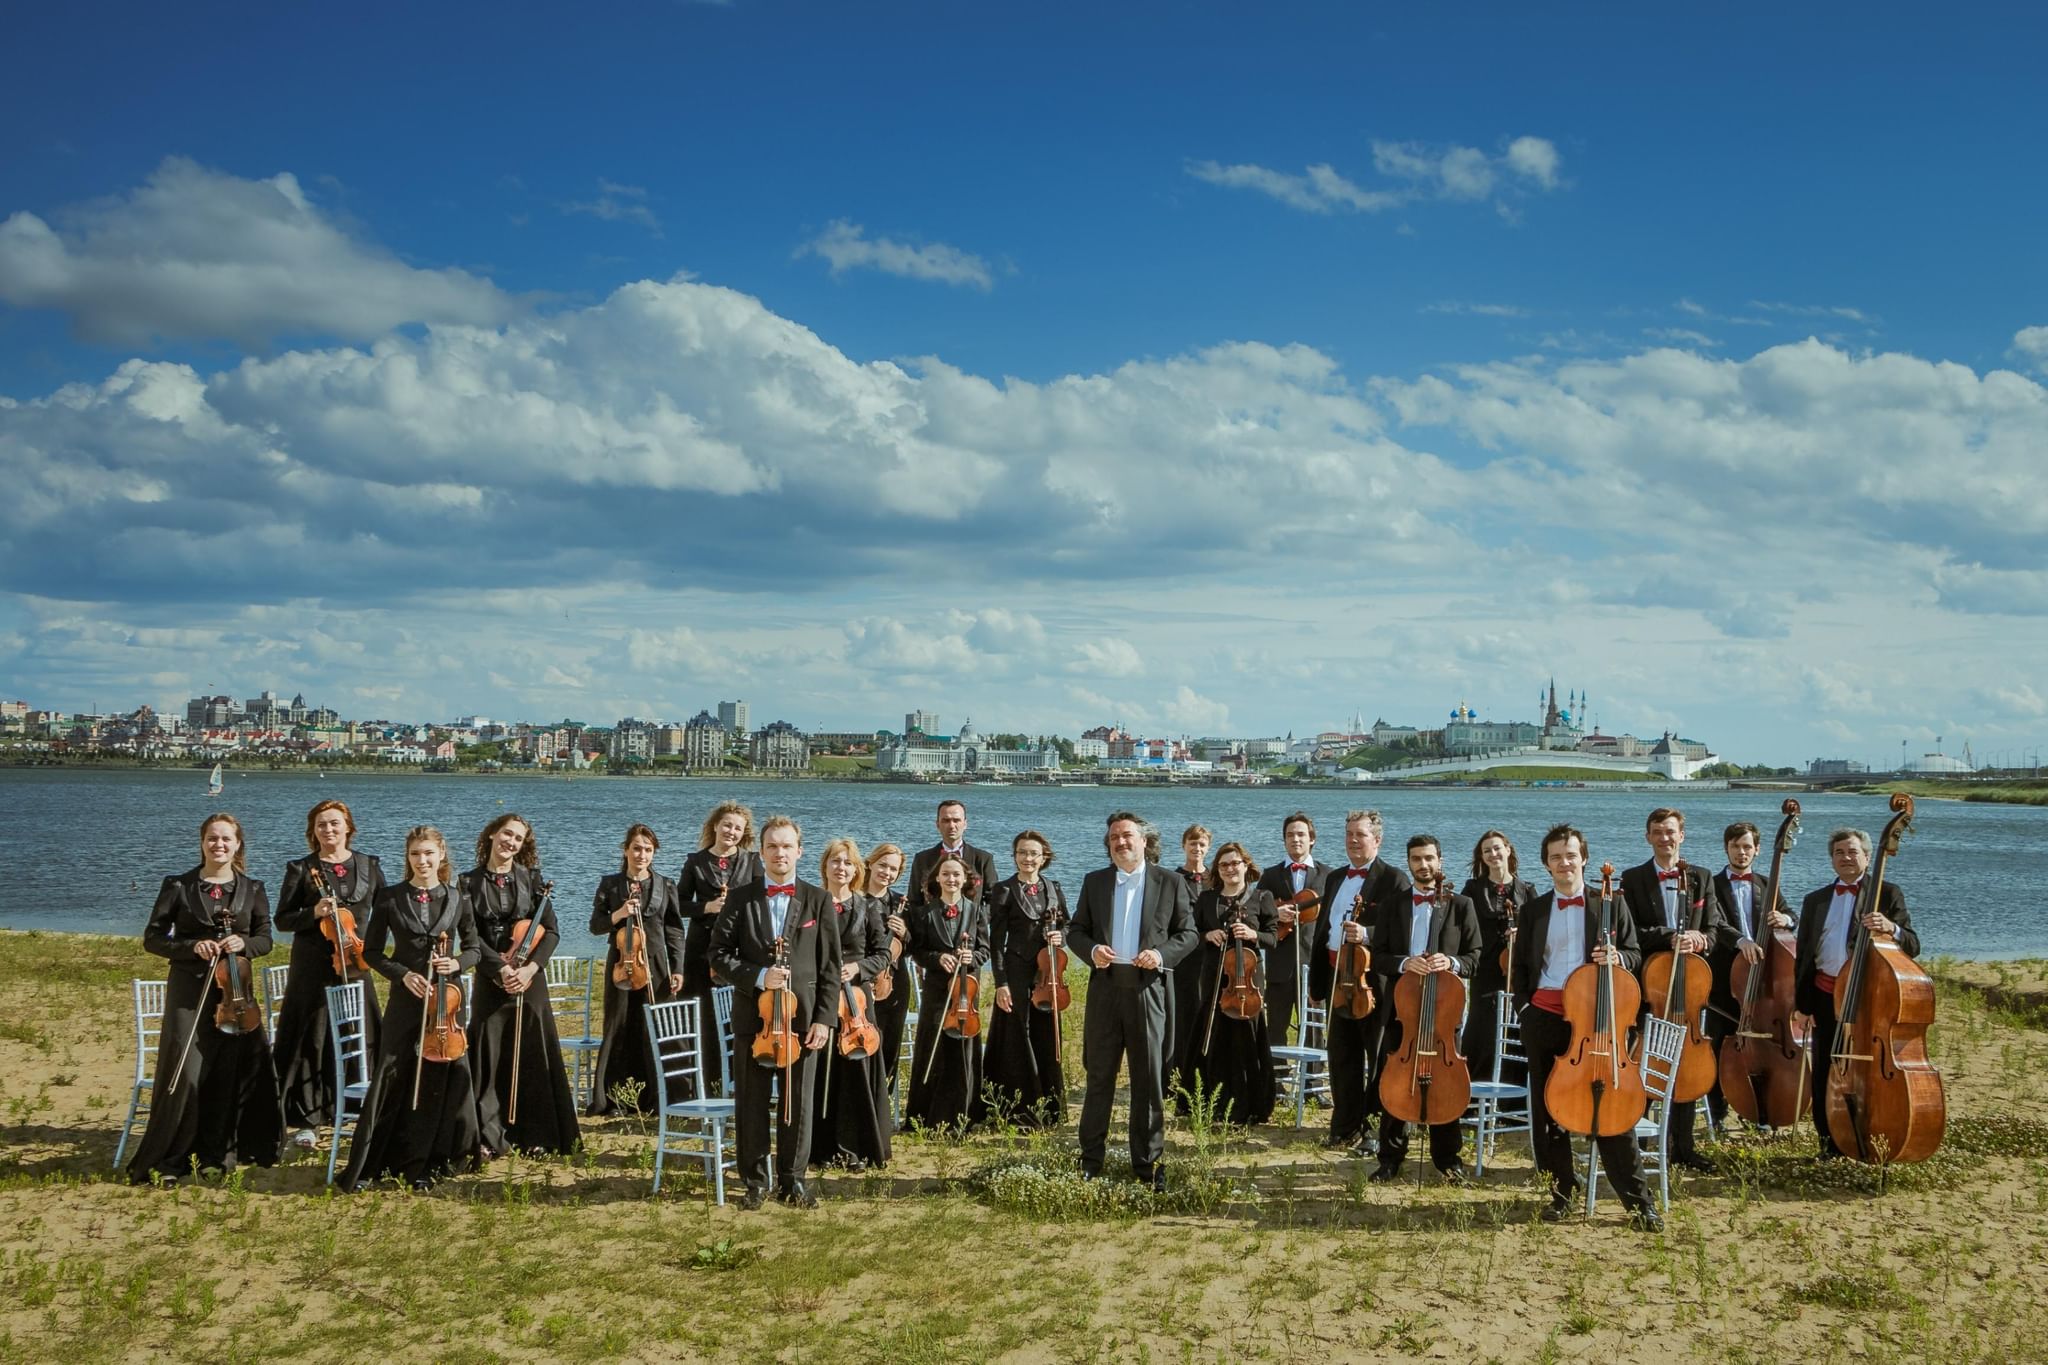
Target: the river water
(86, 850)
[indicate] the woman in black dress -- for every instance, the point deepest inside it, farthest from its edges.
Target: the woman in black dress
(724, 858)
(1027, 913)
(851, 1124)
(625, 1060)
(417, 1140)
(347, 879)
(224, 1108)
(1499, 895)
(1231, 1059)
(946, 929)
(504, 889)
(891, 986)
(1184, 984)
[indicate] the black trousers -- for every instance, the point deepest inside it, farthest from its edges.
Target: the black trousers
(1824, 1021)
(1545, 1036)
(1719, 1026)
(1354, 1072)
(753, 1089)
(1124, 1025)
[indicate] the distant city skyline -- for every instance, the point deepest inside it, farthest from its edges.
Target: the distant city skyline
(1265, 365)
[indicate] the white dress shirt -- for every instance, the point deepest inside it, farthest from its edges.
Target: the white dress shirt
(1742, 892)
(778, 913)
(1344, 902)
(1564, 948)
(1835, 931)
(1128, 906)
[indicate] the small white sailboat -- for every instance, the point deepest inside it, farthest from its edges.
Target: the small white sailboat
(213, 782)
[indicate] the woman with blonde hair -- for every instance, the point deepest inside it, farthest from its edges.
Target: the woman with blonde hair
(724, 860)
(851, 1129)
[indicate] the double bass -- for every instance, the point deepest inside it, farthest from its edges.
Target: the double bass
(1596, 1087)
(1764, 1063)
(1881, 1089)
(1427, 1080)
(1677, 985)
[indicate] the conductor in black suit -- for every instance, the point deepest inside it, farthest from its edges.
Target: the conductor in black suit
(743, 952)
(1133, 925)
(981, 864)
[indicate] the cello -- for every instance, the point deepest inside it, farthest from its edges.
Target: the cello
(1596, 1087)
(1677, 985)
(1881, 1088)
(1763, 1061)
(1427, 1081)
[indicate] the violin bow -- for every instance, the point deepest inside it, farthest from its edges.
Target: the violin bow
(198, 1013)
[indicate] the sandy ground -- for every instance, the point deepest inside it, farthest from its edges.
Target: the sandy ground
(527, 1261)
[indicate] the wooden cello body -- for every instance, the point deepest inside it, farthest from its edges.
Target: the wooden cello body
(1427, 1080)
(1596, 1087)
(1677, 986)
(1885, 1099)
(1763, 1066)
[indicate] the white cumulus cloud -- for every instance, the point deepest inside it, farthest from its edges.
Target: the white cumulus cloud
(846, 246)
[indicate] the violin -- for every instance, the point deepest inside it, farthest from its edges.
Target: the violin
(1763, 1061)
(526, 937)
(630, 971)
(1427, 1080)
(1677, 985)
(858, 1036)
(777, 1044)
(1307, 903)
(338, 928)
(1351, 997)
(1508, 909)
(1049, 988)
(885, 979)
(1240, 979)
(441, 1035)
(1596, 1087)
(1882, 1091)
(234, 974)
(963, 992)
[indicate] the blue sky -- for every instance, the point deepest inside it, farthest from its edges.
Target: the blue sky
(1174, 365)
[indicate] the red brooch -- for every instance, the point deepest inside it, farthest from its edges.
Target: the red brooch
(420, 896)
(341, 869)
(213, 891)
(952, 912)
(721, 864)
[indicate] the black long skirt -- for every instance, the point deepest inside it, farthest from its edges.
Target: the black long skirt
(852, 1123)
(891, 1015)
(626, 1056)
(1023, 1081)
(946, 1074)
(225, 1110)
(1236, 1071)
(303, 1051)
(547, 1105)
(395, 1137)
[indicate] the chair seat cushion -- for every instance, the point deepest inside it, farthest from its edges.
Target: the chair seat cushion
(703, 1109)
(1499, 1090)
(1302, 1054)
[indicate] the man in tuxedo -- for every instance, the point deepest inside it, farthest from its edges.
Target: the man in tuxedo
(1675, 911)
(1827, 924)
(981, 864)
(1559, 933)
(1435, 932)
(1753, 912)
(1133, 925)
(1352, 897)
(1286, 879)
(743, 950)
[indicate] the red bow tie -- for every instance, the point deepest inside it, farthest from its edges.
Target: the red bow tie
(1297, 867)
(1848, 888)
(789, 890)
(1739, 876)
(1425, 898)
(1351, 872)
(1670, 876)
(1565, 901)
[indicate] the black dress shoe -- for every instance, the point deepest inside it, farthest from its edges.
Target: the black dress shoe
(1091, 1172)
(1456, 1175)
(1559, 1208)
(1157, 1180)
(1384, 1175)
(1647, 1219)
(1368, 1146)
(799, 1196)
(1693, 1161)
(754, 1198)
(1334, 1142)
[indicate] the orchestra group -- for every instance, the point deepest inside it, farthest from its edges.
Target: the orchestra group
(1195, 977)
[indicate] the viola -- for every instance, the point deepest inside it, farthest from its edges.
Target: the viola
(526, 937)
(629, 970)
(1427, 1080)
(441, 1036)
(234, 975)
(1677, 985)
(858, 1036)
(1307, 903)
(1596, 1087)
(1882, 1091)
(1763, 1063)
(339, 928)
(1351, 997)
(777, 1045)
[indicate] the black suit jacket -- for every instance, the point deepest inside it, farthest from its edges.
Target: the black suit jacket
(1532, 938)
(1807, 995)
(1278, 882)
(1699, 908)
(184, 913)
(662, 913)
(743, 946)
(1722, 955)
(1017, 928)
(1166, 925)
(1453, 931)
(402, 933)
(981, 872)
(521, 899)
(1493, 927)
(1383, 882)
